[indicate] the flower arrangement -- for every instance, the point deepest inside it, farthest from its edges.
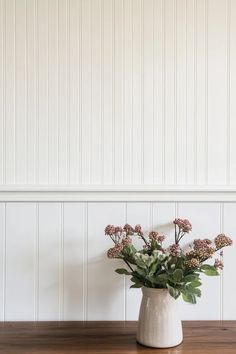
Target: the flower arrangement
(173, 268)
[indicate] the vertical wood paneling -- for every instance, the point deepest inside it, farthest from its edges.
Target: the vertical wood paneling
(169, 144)
(127, 91)
(117, 92)
(3, 259)
(217, 91)
(190, 91)
(200, 91)
(50, 243)
(53, 99)
(148, 90)
(43, 98)
(231, 51)
(19, 292)
(103, 301)
(21, 46)
(87, 91)
(229, 286)
(2, 88)
(31, 85)
(95, 177)
(54, 264)
(63, 119)
(10, 93)
(159, 92)
(181, 99)
(74, 231)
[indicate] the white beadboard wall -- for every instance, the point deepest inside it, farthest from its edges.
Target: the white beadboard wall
(117, 92)
(54, 265)
(111, 111)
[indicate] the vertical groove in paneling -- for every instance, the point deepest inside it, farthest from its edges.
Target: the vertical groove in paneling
(195, 93)
(36, 264)
(79, 136)
(61, 265)
(14, 90)
(113, 92)
(3, 92)
(26, 94)
(4, 245)
(68, 111)
(132, 96)
(125, 283)
(175, 91)
(36, 145)
(221, 217)
(228, 138)
(102, 88)
(206, 92)
(48, 104)
(186, 85)
(163, 93)
(123, 94)
(85, 262)
(142, 88)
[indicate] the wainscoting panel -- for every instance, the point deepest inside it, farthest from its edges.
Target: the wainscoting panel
(54, 265)
(117, 92)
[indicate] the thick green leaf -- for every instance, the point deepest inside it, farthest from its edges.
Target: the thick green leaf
(207, 267)
(122, 271)
(189, 298)
(153, 268)
(190, 277)
(195, 283)
(211, 272)
(161, 278)
(177, 275)
(173, 292)
(136, 285)
(194, 291)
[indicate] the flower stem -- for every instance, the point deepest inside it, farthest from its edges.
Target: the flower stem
(128, 265)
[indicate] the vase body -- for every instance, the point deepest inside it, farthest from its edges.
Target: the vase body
(159, 323)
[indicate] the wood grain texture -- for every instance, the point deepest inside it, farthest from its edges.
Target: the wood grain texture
(200, 337)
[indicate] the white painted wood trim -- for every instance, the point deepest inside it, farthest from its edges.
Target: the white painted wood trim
(136, 193)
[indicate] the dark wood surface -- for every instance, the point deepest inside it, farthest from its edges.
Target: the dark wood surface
(200, 337)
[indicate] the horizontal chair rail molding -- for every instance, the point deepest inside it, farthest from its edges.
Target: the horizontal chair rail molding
(132, 193)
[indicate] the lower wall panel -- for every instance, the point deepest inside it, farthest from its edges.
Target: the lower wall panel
(54, 267)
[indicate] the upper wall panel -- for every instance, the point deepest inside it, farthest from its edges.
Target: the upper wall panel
(117, 92)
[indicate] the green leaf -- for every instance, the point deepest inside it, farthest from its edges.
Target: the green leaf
(194, 291)
(189, 298)
(122, 271)
(173, 292)
(161, 278)
(211, 272)
(195, 283)
(142, 272)
(207, 267)
(153, 268)
(190, 277)
(177, 275)
(136, 285)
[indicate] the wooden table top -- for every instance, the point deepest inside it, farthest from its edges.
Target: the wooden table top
(200, 337)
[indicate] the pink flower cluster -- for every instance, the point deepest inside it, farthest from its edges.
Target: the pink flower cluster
(183, 224)
(222, 241)
(155, 236)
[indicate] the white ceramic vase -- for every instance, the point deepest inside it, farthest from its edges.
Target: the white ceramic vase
(159, 323)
